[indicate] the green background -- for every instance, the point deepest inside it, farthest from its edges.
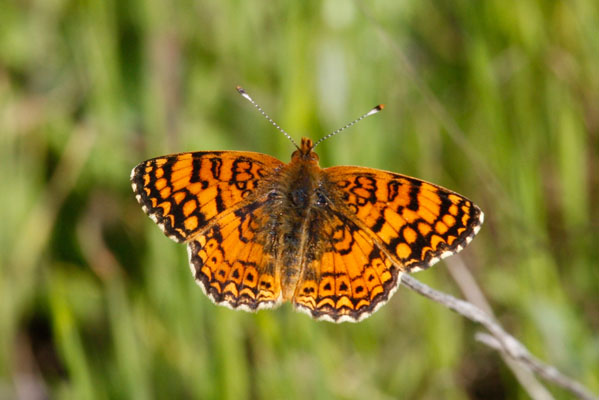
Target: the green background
(497, 100)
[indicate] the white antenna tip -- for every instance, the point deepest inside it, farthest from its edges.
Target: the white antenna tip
(376, 109)
(243, 93)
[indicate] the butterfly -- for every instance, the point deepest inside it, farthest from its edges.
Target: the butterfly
(334, 241)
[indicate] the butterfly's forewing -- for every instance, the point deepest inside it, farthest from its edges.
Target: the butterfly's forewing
(184, 192)
(415, 222)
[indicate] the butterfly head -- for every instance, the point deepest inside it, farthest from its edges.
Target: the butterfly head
(304, 152)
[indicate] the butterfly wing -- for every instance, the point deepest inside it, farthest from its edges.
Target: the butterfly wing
(234, 259)
(415, 222)
(351, 278)
(184, 192)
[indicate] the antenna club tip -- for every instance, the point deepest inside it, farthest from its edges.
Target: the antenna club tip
(374, 110)
(239, 89)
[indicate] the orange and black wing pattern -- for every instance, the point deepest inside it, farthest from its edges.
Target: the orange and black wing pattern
(351, 278)
(416, 223)
(184, 192)
(233, 261)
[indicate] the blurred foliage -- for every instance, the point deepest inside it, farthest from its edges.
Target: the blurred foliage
(496, 100)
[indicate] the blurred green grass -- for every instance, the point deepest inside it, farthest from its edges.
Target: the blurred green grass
(496, 100)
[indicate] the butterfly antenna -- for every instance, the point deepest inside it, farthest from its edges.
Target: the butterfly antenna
(248, 98)
(368, 114)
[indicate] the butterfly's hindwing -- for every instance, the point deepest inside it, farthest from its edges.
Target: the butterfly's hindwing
(346, 276)
(233, 262)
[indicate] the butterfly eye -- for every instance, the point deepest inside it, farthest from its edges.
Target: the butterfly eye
(321, 200)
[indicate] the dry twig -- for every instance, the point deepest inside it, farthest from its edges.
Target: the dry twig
(499, 339)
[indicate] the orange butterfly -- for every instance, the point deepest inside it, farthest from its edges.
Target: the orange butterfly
(333, 241)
